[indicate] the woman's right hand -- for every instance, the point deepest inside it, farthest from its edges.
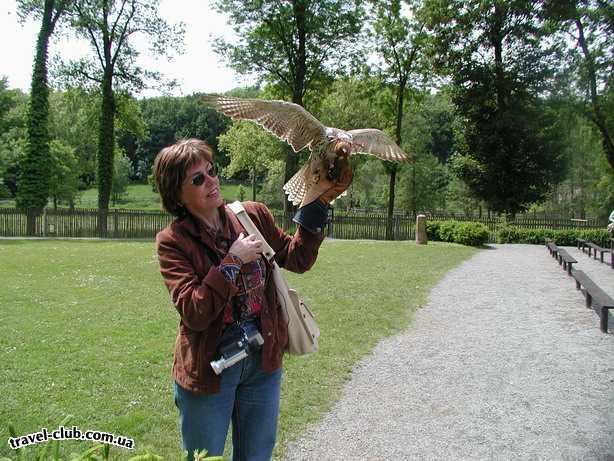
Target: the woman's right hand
(247, 248)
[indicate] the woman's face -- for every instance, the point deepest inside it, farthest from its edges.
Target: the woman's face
(200, 192)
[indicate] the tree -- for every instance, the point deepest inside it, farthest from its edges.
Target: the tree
(251, 149)
(590, 23)
(13, 109)
(423, 183)
(110, 26)
(171, 118)
(508, 150)
(292, 44)
(399, 43)
(360, 101)
(73, 120)
(121, 177)
(63, 174)
(33, 190)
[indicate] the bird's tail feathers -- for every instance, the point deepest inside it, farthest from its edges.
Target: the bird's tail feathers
(296, 187)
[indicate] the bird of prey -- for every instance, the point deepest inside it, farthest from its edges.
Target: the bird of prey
(295, 125)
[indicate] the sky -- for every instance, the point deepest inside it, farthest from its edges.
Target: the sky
(198, 69)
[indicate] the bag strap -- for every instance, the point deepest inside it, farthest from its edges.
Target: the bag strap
(238, 209)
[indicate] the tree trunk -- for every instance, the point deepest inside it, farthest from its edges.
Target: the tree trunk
(392, 167)
(390, 215)
(253, 184)
(33, 189)
(298, 89)
(106, 143)
(597, 118)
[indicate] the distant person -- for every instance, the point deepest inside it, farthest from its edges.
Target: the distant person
(611, 225)
(221, 286)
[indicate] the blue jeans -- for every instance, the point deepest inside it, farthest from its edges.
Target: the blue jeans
(248, 396)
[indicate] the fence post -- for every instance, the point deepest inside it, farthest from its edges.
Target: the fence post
(421, 238)
(45, 222)
(115, 218)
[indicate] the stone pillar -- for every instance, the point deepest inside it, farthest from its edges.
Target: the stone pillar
(421, 238)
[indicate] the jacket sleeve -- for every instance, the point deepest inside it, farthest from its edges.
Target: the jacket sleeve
(296, 253)
(198, 301)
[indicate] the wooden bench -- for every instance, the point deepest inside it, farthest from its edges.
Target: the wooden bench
(552, 248)
(595, 295)
(596, 248)
(581, 243)
(566, 260)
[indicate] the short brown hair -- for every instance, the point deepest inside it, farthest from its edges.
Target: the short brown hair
(170, 169)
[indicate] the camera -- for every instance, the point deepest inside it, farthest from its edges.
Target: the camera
(237, 348)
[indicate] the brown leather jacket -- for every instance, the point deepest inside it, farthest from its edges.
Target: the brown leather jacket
(188, 258)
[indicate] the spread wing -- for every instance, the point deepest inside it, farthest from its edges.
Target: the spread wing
(378, 143)
(286, 120)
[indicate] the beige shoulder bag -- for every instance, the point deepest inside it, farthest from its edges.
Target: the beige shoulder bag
(303, 331)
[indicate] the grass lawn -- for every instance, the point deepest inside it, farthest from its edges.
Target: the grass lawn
(138, 197)
(88, 331)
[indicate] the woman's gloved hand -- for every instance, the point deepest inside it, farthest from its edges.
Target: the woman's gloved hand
(313, 212)
(326, 190)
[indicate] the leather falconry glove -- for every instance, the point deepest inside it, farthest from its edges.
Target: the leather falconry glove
(313, 212)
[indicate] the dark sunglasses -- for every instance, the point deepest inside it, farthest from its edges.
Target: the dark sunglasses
(200, 177)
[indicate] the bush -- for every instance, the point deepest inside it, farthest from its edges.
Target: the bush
(512, 234)
(446, 230)
(432, 230)
(465, 233)
(471, 234)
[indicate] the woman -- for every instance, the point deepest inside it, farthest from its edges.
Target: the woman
(220, 284)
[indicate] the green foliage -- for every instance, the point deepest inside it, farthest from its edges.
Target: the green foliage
(63, 174)
(472, 234)
(513, 234)
(74, 121)
(250, 149)
(272, 189)
(585, 67)
(33, 186)
(508, 149)
(121, 177)
(13, 108)
(358, 101)
(171, 118)
(459, 197)
(588, 188)
(464, 233)
(241, 193)
(283, 44)
(110, 28)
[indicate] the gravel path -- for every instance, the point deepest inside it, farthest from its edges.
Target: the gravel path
(504, 362)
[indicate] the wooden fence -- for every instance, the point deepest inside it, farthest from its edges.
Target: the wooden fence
(137, 224)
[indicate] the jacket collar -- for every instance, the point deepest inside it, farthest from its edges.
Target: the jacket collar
(230, 227)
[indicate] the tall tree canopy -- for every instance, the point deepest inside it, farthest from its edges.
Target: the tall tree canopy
(293, 44)
(508, 154)
(590, 59)
(400, 45)
(111, 26)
